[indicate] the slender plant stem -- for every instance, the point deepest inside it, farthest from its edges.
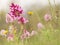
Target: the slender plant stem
(50, 7)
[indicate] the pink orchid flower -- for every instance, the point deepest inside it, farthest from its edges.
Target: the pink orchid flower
(40, 25)
(15, 10)
(33, 33)
(10, 37)
(9, 19)
(47, 17)
(25, 35)
(22, 20)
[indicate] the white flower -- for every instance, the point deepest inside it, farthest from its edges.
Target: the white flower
(2, 32)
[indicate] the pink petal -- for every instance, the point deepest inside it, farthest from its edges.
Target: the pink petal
(33, 33)
(47, 17)
(9, 19)
(40, 25)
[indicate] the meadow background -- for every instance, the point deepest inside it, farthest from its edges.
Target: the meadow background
(50, 35)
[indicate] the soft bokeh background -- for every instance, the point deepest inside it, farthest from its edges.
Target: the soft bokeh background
(48, 36)
(27, 3)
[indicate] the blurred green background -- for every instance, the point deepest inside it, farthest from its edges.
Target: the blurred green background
(48, 36)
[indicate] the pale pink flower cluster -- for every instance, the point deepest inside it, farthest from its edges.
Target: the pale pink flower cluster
(47, 17)
(27, 34)
(22, 20)
(15, 10)
(40, 25)
(10, 37)
(4, 33)
(15, 14)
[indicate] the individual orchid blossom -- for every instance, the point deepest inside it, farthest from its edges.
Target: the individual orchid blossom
(15, 10)
(47, 17)
(14, 14)
(22, 37)
(22, 20)
(40, 25)
(33, 33)
(25, 35)
(9, 19)
(25, 21)
(10, 37)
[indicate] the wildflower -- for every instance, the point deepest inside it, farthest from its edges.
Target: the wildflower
(40, 25)
(3, 32)
(22, 20)
(30, 13)
(25, 35)
(25, 21)
(10, 37)
(15, 10)
(22, 37)
(33, 33)
(47, 17)
(9, 19)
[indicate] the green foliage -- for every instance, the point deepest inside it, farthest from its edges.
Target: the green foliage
(48, 36)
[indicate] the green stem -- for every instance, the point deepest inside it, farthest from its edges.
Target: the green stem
(54, 3)
(50, 6)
